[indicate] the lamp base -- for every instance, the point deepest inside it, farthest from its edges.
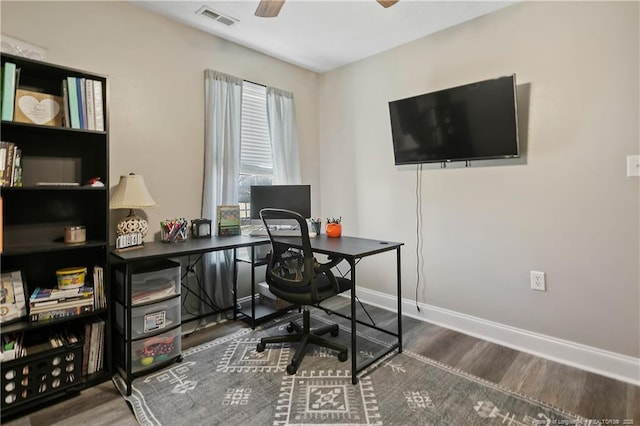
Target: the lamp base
(132, 224)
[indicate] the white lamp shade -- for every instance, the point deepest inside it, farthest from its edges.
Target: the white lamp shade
(131, 193)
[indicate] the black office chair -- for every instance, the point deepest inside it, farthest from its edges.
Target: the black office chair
(296, 276)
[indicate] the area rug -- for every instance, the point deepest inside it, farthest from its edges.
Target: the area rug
(226, 382)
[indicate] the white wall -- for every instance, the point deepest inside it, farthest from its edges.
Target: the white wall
(566, 208)
(156, 90)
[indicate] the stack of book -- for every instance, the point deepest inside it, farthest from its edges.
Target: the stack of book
(47, 303)
(93, 348)
(10, 164)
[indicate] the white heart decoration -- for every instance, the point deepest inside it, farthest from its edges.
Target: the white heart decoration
(39, 112)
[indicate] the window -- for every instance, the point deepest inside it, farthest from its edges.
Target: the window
(256, 159)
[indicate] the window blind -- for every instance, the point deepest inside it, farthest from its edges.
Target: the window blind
(255, 145)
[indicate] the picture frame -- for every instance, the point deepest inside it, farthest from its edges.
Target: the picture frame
(13, 302)
(38, 108)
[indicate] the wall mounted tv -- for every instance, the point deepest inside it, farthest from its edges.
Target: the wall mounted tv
(475, 121)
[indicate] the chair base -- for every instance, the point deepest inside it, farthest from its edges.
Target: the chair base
(305, 335)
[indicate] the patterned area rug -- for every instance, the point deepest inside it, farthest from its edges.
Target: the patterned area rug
(226, 382)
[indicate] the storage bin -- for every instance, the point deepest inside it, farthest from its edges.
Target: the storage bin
(146, 353)
(32, 377)
(149, 282)
(149, 319)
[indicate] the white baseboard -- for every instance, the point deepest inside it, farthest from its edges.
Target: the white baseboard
(599, 361)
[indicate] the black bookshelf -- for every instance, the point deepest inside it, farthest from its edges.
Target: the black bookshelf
(34, 220)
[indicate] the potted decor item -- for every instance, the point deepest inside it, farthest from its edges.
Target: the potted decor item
(334, 227)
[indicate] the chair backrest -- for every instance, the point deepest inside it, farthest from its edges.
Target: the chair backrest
(290, 271)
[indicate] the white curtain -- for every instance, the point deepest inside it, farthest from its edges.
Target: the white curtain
(284, 138)
(223, 100)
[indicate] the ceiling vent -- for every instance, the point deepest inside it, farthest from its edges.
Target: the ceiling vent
(226, 20)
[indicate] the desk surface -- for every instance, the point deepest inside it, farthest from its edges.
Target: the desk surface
(191, 246)
(350, 247)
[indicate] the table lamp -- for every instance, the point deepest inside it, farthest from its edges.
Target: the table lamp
(131, 193)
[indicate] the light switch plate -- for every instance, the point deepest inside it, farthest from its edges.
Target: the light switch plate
(633, 165)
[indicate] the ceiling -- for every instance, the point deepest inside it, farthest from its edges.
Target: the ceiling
(323, 35)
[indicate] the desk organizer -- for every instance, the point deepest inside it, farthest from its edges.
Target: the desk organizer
(174, 230)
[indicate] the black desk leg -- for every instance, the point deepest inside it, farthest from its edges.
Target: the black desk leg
(354, 350)
(235, 284)
(399, 296)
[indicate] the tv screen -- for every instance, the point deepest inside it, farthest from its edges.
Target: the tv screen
(471, 122)
(290, 197)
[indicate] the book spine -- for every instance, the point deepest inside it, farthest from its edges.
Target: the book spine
(65, 102)
(8, 90)
(60, 306)
(11, 150)
(72, 87)
(91, 122)
(16, 176)
(82, 103)
(98, 111)
(85, 348)
(60, 313)
(3, 160)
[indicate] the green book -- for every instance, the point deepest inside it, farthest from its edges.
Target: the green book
(8, 90)
(72, 89)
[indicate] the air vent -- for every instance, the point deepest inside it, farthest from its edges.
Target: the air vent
(218, 17)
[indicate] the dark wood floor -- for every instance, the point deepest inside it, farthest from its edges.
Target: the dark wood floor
(573, 390)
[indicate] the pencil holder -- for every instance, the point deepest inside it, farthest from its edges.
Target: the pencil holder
(333, 230)
(174, 230)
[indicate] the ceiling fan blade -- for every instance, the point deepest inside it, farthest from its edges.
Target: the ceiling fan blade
(387, 3)
(269, 8)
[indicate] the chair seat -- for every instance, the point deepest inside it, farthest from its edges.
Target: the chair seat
(301, 295)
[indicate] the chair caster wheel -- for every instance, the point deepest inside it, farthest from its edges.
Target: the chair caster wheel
(335, 332)
(291, 369)
(343, 356)
(260, 347)
(290, 328)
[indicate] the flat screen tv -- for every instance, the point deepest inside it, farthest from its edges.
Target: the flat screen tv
(475, 121)
(290, 197)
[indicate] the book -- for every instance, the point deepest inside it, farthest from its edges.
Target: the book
(16, 176)
(8, 90)
(60, 313)
(91, 122)
(228, 220)
(72, 88)
(98, 110)
(86, 343)
(11, 158)
(82, 103)
(60, 306)
(50, 305)
(12, 299)
(66, 120)
(41, 294)
(3, 161)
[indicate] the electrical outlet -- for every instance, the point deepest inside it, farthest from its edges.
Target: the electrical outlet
(538, 281)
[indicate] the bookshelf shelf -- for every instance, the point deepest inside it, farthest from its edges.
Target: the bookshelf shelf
(34, 220)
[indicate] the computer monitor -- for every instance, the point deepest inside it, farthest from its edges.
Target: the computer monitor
(290, 197)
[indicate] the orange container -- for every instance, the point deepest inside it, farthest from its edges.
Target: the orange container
(333, 230)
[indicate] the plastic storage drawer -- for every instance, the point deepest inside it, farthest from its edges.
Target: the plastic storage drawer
(146, 353)
(149, 319)
(153, 281)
